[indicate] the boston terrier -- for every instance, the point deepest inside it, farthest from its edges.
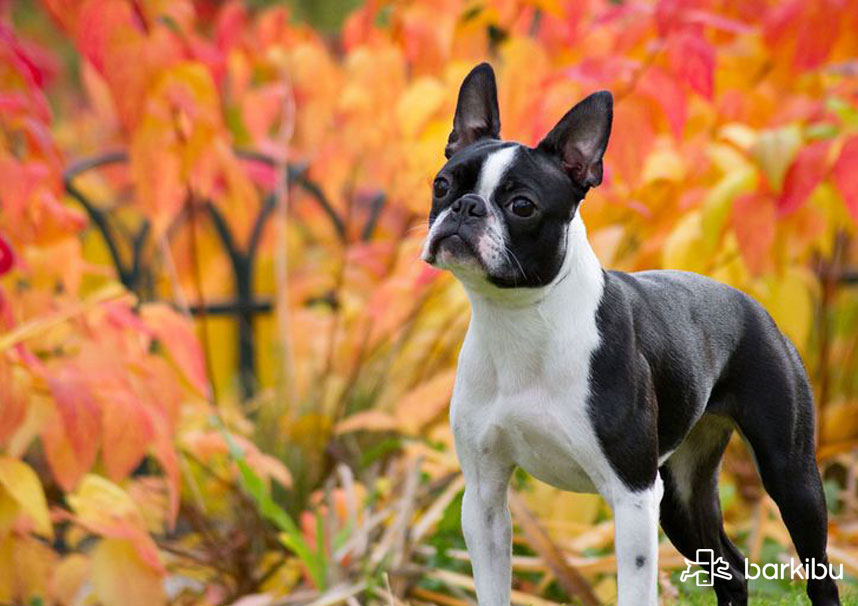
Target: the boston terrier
(628, 385)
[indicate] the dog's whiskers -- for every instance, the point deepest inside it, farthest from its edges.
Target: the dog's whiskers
(509, 254)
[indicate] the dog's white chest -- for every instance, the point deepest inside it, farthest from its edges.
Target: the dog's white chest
(540, 422)
(523, 384)
(551, 437)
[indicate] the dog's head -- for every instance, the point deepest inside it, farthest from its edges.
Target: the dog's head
(501, 210)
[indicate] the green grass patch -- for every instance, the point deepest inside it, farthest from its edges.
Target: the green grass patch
(793, 595)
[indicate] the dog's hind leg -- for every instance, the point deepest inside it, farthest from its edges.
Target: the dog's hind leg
(775, 415)
(691, 511)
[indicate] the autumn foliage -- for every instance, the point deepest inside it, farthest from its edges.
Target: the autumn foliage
(138, 467)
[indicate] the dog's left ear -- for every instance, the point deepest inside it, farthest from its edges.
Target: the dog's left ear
(477, 114)
(580, 138)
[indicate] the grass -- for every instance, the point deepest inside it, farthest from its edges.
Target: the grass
(793, 596)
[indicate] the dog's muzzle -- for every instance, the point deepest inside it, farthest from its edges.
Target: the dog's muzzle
(457, 228)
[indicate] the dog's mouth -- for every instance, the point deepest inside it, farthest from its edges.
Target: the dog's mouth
(451, 245)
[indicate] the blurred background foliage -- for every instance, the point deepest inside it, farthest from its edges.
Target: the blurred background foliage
(224, 372)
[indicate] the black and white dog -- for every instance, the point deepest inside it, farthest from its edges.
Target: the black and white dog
(628, 385)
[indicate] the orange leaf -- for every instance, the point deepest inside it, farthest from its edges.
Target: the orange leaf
(845, 174)
(426, 402)
(13, 395)
(77, 408)
(169, 460)
(754, 219)
(126, 433)
(806, 172)
(75, 415)
(176, 333)
(668, 94)
(205, 444)
(367, 420)
(66, 466)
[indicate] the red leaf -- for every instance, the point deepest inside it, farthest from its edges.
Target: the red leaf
(668, 94)
(668, 16)
(7, 257)
(98, 22)
(778, 22)
(804, 174)
(231, 22)
(845, 174)
(692, 59)
(814, 26)
(77, 409)
(754, 222)
(817, 32)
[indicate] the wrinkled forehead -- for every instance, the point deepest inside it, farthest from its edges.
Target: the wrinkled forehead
(486, 165)
(481, 167)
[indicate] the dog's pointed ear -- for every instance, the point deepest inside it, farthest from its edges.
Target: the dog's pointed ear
(477, 114)
(580, 138)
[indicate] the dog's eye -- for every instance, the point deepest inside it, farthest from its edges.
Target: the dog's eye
(441, 187)
(522, 207)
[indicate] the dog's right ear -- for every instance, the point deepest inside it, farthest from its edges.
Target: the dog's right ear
(477, 114)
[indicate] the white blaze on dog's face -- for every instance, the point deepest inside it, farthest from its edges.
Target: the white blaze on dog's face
(500, 210)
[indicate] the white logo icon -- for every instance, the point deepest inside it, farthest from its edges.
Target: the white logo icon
(708, 563)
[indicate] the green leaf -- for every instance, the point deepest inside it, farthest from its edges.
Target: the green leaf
(291, 536)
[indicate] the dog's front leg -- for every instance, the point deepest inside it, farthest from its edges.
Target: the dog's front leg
(488, 533)
(636, 544)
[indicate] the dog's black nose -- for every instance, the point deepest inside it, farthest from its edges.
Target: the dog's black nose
(470, 205)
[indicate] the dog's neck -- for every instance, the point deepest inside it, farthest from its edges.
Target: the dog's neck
(532, 324)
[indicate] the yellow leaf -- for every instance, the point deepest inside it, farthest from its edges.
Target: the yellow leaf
(105, 509)
(70, 576)
(790, 303)
(727, 158)
(738, 134)
(719, 202)
(775, 150)
(682, 248)
(7, 577)
(98, 500)
(121, 578)
(839, 422)
(418, 104)
(564, 513)
(663, 165)
(25, 567)
(606, 590)
(8, 511)
(22, 484)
